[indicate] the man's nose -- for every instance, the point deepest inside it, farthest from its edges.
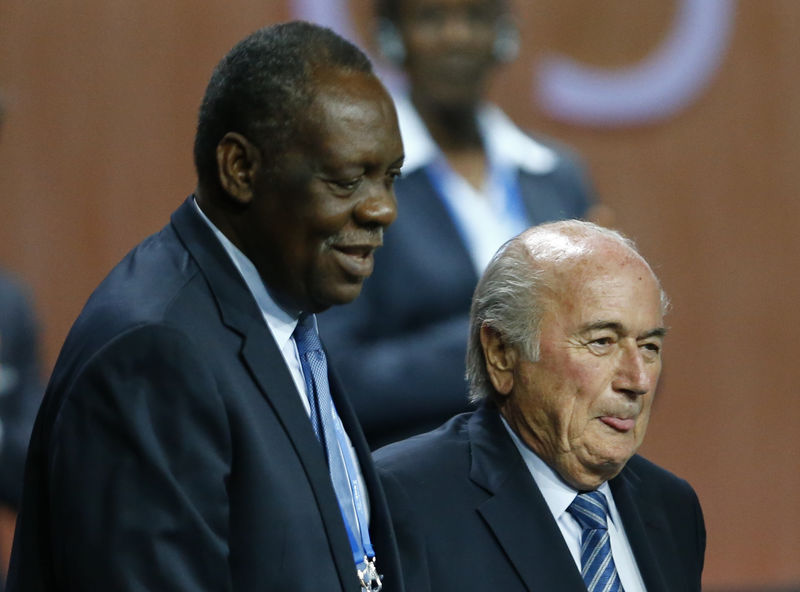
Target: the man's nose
(634, 373)
(379, 208)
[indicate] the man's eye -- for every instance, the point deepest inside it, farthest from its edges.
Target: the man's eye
(653, 348)
(392, 176)
(600, 345)
(347, 184)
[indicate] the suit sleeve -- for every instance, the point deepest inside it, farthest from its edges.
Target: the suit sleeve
(140, 457)
(410, 535)
(700, 528)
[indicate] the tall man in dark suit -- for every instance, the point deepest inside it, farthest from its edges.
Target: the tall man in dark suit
(541, 489)
(174, 449)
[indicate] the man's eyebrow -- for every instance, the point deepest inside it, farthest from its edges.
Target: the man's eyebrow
(599, 325)
(618, 327)
(657, 332)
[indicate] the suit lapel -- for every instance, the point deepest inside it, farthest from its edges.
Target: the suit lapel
(265, 362)
(516, 511)
(647, 530)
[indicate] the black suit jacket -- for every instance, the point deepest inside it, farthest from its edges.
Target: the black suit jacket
(172, 450)
(469, 516)
(400, 346)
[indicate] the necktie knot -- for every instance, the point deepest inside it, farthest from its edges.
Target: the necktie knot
(590, 510)
(305, 335)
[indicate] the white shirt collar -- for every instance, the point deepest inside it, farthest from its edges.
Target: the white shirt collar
(504, 141)
(557, 494)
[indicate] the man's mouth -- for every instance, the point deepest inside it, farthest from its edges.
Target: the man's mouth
(621, 424)
(356, 260)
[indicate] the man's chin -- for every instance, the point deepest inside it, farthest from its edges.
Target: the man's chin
(589, 473)
(343, 294)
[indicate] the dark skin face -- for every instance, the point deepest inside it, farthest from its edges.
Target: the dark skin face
(449, 47)
(311, 227)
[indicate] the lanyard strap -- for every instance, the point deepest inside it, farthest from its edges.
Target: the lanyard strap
(361, 545)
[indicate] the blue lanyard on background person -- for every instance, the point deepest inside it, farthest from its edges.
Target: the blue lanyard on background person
(361, 545)
(512, 200)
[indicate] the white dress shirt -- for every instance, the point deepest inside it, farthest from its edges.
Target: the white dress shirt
(558, 496)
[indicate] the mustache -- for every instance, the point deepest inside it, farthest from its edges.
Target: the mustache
(372, 237)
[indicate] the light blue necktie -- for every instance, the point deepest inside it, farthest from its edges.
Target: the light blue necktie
(597, 566)
(323, 413)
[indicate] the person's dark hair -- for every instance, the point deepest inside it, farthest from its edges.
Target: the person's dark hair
(262, 87)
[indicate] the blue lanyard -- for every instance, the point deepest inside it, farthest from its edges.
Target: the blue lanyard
(362, 549)
(513, 202)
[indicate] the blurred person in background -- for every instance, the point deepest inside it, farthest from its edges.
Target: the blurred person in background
(20, 395)
(472, 179)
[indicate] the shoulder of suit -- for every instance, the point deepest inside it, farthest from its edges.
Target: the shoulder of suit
(425, 452)
(654, 476)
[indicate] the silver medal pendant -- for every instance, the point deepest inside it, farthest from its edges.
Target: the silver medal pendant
(369, 577)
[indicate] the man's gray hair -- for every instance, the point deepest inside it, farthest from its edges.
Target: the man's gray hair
(510, 297)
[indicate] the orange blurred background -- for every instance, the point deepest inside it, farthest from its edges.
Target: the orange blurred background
(96, 152)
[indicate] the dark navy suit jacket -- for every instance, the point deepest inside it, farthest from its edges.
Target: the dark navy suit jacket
(470, 518)
(172, 450)
(399, 348)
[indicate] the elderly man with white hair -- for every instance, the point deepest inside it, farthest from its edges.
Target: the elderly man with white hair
(541, 488)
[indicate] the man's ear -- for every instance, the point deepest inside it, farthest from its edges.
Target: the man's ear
(238, 160)
(501, 359)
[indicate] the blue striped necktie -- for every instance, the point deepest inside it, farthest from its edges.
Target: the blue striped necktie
(323, 413)
(599, 573)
